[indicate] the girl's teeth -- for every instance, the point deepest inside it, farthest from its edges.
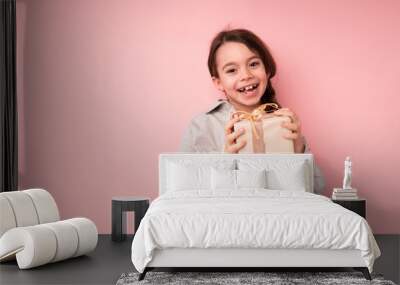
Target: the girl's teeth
(248, 88)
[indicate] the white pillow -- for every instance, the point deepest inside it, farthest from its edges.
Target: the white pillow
(223, 179)
(237, 179)
(251, 178)
(293, 179)
(185, 175)
(281, 174)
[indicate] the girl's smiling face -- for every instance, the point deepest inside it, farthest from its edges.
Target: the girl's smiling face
(242, 75)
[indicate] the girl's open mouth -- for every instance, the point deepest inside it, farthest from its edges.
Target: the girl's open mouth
(249, 90)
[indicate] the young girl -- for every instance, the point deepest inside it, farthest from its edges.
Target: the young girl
(241, 67)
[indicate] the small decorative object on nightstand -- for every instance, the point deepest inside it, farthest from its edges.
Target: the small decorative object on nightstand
(358, 206)
(347, 196)
(347, 174)
(120, 205)
(347, 192)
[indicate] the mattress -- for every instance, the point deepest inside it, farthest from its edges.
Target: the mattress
(250, 219)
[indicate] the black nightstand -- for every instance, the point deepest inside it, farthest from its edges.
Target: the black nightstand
(120, 205)
(358, 206)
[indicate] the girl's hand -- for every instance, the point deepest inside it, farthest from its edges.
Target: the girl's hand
(295, 128)
(230, 137)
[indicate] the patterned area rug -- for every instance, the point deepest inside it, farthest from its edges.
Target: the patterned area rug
(269, 278)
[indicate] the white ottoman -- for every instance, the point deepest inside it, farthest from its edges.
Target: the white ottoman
(31, 232)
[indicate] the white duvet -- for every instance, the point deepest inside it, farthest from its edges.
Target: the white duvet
(251, 218)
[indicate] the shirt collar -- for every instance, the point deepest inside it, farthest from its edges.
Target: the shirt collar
(219, 104)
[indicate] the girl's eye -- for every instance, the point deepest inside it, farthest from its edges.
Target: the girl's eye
(254, 63)
(230, 70)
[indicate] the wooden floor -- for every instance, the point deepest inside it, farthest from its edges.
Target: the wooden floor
(111, 259)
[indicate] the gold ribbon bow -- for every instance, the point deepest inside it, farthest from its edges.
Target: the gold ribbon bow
(255, 115)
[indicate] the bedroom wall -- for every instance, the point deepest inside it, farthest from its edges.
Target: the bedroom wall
(105, 86)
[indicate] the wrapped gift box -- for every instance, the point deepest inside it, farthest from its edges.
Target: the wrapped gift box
(263, 132)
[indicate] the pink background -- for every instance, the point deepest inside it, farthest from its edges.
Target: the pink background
(105, 86)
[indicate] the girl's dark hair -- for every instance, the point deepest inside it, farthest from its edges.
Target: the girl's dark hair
(256, 45)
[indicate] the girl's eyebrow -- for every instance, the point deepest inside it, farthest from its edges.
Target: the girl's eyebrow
(233, 63)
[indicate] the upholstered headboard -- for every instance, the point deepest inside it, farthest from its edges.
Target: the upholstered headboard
(237, 161)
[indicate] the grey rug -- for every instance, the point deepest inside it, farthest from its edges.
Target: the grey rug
(269, 278)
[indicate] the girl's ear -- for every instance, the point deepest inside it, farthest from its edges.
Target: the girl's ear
(217, 84)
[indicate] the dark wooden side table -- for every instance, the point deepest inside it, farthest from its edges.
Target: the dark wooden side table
(358, 206)
(121, 205)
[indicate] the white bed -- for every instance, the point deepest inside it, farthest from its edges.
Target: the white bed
(214, 211)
